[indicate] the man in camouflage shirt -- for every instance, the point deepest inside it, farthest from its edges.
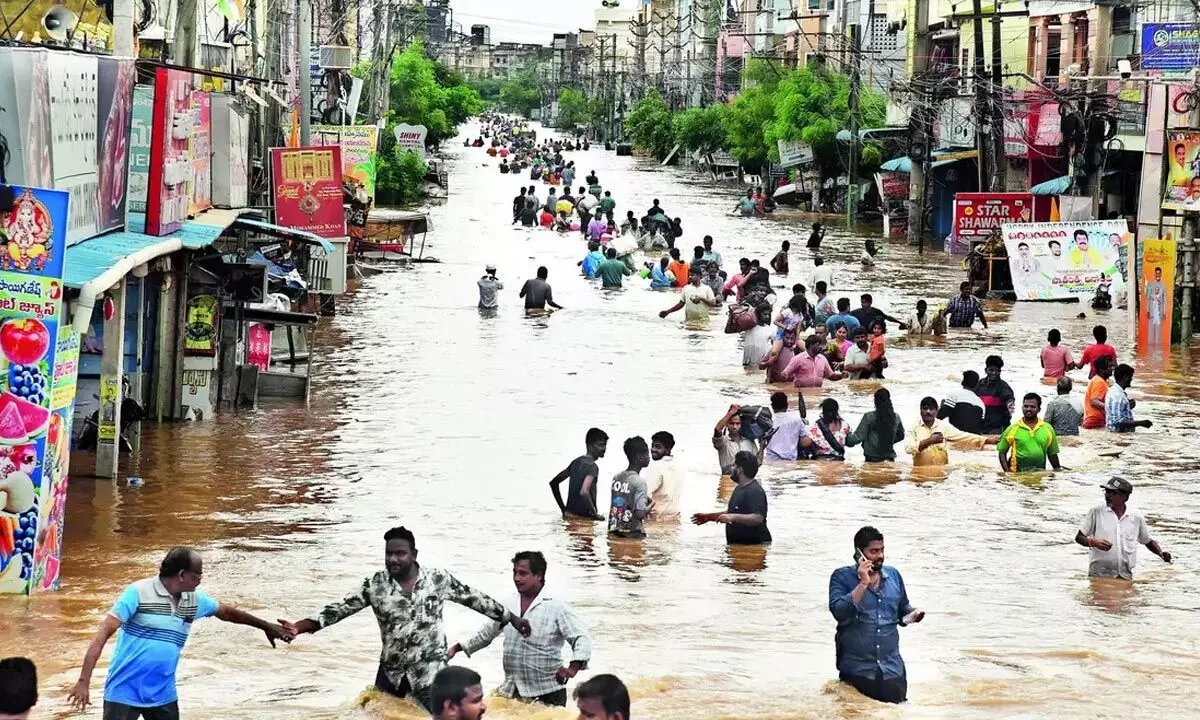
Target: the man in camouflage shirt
(408, 600)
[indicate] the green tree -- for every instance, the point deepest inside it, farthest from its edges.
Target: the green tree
(520, 93)
(649, 125)
(487, 87)
(574, 108)
(813, 107)
(701, 129)
(416, 97)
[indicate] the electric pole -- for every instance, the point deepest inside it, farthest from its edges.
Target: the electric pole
(999, 157)
(981, 95)
(304, 46)
(855, 81)
(920, 101)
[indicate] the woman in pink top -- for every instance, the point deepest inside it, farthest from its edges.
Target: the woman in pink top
(810, 368)
(1056, 359)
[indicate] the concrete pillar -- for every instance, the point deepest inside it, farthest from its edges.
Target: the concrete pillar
(1100, 40)
(108, 446)
(1066, 43)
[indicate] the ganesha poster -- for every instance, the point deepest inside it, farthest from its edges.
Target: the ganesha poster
(38, 366)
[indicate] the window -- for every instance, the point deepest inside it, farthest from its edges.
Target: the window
(1053, 52)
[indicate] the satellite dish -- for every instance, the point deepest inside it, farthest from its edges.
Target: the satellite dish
(58, 21)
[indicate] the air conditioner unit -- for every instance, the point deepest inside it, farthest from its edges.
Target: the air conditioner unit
(336, 57)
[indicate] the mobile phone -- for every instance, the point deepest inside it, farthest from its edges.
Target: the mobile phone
(858, 557)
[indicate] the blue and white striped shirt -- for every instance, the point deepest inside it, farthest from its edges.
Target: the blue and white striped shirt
(154, 628)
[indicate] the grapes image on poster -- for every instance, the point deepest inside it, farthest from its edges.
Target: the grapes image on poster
(35, 358)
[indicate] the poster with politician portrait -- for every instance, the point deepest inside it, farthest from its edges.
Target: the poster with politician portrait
(1183, 171)
(1060, 261)
(1157, 302)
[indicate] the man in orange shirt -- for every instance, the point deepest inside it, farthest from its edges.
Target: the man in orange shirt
(1097, 391)
(678, 268)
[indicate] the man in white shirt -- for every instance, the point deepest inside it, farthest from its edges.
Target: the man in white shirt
(1113, 532)
(533, 668)
(757, 341)
(664, 478)
(789, 426)
(821, 273)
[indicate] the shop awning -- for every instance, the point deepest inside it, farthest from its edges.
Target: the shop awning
(869, 133)
(195, 234)
(904, 163)
(1057, 186)
(280, 231)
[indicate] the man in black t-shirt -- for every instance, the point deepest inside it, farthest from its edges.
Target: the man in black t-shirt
(868, 314)
(584, 475)
(746, 519)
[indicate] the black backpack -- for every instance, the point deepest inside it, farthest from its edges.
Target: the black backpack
(757, 421)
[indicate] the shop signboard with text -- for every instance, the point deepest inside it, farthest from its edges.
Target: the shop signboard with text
(167, 193)
(977, 215)
(411, 138)
(39, 358)
(358, 144)
(1064, 260)
(307, 184)
(1170, 46)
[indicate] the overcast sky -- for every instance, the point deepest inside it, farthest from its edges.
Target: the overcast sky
(527, 21)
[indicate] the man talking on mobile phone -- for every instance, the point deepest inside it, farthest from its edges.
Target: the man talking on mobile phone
(869, 601)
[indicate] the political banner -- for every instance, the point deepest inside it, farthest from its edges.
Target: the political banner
(1183, 171)
(1060, 261)
(307, 184)
(1157, 295)
(978, 214)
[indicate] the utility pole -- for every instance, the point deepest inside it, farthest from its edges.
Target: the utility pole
(304, 45)
(999, 157)
(919, 137)
(123, 28)
(855, 82)
(981, 94)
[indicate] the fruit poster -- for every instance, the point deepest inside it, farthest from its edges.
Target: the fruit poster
(39, 356)
(307, 184)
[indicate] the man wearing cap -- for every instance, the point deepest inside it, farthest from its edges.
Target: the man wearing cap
(1113, 532)
(488, 286)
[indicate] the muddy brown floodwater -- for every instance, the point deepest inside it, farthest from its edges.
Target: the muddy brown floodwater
(426, 414)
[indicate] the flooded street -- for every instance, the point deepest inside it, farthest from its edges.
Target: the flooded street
(428, 415)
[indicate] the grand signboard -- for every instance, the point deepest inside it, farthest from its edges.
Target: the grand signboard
(1064, 260)
(307, 185)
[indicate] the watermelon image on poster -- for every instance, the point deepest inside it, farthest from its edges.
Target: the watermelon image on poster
(21, 420)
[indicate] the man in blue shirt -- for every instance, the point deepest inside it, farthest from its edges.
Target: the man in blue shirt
(154, 617)
(843, 316)
(869, 601)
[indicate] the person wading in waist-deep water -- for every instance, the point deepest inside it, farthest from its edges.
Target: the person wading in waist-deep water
(1113, 531)
(664, 478)
(408, 600)
(457, 694)
(1031, 440)
(728, 440)
(997, 397)
(154, 617)
(537, 292)
(630, 499)
(602, 697)
(583, 474)
(489, 286)
(879, 430)
(533, 668)
(869, 602)
(745, 520)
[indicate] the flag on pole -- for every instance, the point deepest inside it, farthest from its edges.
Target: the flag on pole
(232, 10)
(1054, 214)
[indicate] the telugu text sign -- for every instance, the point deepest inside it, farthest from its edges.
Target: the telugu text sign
(1060, 261)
